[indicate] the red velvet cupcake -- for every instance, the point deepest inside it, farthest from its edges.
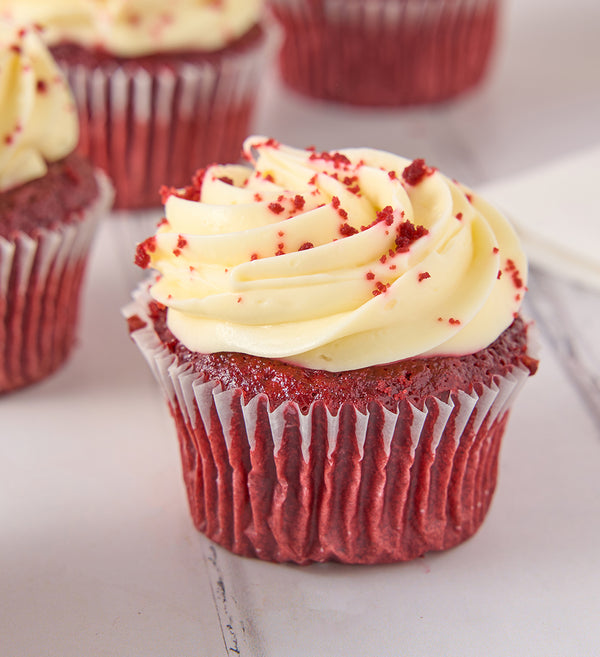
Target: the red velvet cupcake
(340, 349)
(50, 200)
(158, 87)
(385, 52)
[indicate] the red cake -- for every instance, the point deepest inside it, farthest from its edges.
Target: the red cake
(385, 52)
(342, 506)
(145, 120)
(340, 390)
(50, 201)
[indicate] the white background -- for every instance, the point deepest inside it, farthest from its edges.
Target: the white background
(98, 555)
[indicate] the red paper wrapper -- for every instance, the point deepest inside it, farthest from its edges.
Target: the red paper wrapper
(147, 125)
(354, 487)
(385, 52)
(40, 280)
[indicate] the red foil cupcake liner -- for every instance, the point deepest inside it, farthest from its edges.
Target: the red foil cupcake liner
(348, 486)
(146, 129)
(40, 281)
(385, 52)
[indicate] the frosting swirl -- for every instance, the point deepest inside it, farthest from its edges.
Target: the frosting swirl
(33, 96)
(129, 28)
(334, 260)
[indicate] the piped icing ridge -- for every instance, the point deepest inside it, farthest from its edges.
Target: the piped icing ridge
(333, 260)
(129, 28)
(33, 96)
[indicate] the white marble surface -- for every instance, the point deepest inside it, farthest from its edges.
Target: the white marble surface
(98, 555)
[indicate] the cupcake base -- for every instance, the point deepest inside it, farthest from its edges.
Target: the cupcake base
(152, 120)
(41, 274)
(350, 486)
(385, 52)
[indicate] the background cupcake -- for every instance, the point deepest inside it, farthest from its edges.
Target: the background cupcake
(385, 52)
(339, 347)
(50, 200)
(159, 86)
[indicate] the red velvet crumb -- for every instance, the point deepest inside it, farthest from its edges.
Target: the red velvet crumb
(346, 230)
(142, 257)
(276, 208)
(407, 234)
(416, 171)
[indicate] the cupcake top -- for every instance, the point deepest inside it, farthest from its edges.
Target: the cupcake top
(33, 96)
(130, 28)
(333, 260)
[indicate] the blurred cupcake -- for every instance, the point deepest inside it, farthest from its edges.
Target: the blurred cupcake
(385, 52)
(338, 339)
(50, 199)
(159, 86)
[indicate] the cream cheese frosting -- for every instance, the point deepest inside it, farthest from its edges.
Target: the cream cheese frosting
(334, 260)
(129, 28)
(33, 96)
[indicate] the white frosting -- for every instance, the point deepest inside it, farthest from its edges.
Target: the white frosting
(289, 260)
(38, 121)
(128, 28)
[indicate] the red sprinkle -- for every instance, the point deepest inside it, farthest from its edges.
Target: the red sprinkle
(346, 230)
(380, 288)
(459, 215)
(142, 251)
(416, 171)
(226, 179)
(369, 275)
(299, 202)
(393, 175)
(276, 208)
(453, 321)
(41, 86)
(306, 246)
(254, 256)
(407, 234)
(495, 250)
(424, 275)
(181, 241)
(337, 159)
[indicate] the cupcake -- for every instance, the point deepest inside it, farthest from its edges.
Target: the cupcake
(50, 199)
(338, 338)
(385, 52)
(159, 86)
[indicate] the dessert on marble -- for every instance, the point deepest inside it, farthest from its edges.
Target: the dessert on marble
(159, 86)
(50, 199)
(385, 52)
(338, 338)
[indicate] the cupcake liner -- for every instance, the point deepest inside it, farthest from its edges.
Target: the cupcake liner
(40, 279)
(146, 129)
(349, 486)
(385, 52)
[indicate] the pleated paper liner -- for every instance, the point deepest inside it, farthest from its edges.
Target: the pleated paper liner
(147, 130)
(353, 487)
(40, 282)
(386, 52)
